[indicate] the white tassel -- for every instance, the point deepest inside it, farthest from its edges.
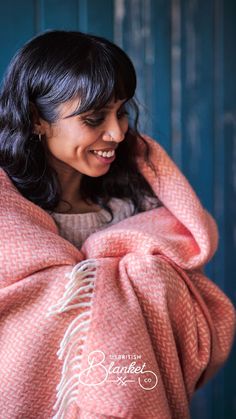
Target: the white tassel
(81, 285)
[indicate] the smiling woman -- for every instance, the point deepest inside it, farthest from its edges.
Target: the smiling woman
(89, 149)
(88, 137)
(120, 271)
(75, 91)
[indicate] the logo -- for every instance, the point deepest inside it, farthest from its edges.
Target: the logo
(98, 372)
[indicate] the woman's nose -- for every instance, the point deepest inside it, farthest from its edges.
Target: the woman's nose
(114, 131)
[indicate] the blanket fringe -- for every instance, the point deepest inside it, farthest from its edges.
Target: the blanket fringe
(80, 286)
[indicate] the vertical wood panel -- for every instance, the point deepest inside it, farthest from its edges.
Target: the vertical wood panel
(218, 383)
(100, 18)
(144, 33)
(161, 89)
(60, 14)
(83, 15)
(176, 83)
(197, 96)
(229, 60)
(39, 15)
(133, 41)
(15, 28)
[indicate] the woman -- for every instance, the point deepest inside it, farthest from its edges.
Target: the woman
(103, 246)
(68, 116)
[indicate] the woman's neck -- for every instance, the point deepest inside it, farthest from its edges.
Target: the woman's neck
(79, 207)
(69, 180)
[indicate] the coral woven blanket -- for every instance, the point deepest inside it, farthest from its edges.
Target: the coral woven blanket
(127, 327)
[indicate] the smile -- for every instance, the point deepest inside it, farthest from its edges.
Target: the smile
(104, 157)
(108, 154)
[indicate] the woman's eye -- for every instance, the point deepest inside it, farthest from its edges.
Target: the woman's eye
(93, 122)
(123, 113)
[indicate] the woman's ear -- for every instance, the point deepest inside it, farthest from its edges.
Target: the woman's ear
(35, 120)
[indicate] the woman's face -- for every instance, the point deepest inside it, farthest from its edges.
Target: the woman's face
(70, 140)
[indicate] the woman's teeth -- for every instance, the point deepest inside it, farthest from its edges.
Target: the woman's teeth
(105, 153)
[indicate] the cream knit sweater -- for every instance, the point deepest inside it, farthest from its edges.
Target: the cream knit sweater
(77, 227)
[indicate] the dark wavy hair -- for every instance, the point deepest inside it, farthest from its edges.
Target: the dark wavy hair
(50, 69)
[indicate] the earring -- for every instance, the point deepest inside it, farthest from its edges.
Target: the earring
(40, 136)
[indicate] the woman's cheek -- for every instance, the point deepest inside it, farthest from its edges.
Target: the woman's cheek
(126, 124)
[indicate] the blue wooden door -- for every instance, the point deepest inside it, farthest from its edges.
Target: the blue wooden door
(184, 53)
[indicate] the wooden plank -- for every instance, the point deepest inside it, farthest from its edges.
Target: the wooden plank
(144, 34)
(15, 29)
(39, 11)
(82, 15)
(96, 17)
(218, 386)
(60, 14)
(100, 18)
(197, 96)
(229, 118)
(160, 91)
(176, 83)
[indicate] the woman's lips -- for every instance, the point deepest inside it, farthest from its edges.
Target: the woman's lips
(102, 159)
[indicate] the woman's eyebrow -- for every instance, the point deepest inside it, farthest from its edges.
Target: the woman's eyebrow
(103, 109)
(108, 107)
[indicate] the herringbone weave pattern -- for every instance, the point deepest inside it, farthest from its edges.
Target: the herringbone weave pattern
(137, 289)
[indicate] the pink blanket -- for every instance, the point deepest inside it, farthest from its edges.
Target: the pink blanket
(128, 327)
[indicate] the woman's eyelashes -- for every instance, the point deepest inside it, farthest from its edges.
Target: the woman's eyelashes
(93, 122)
(98, 119)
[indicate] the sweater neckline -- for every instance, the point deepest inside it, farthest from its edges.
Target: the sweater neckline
(79, 213)
(114, 203)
